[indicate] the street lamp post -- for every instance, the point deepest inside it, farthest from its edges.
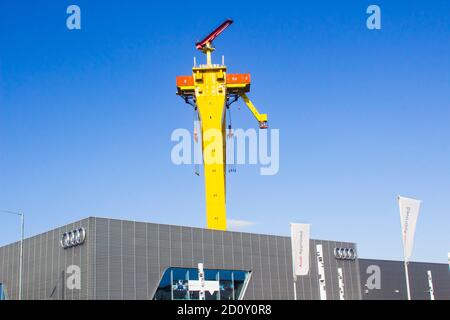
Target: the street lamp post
(22, 224)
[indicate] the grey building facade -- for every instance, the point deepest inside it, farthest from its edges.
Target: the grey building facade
(385, 280)
(128, 260)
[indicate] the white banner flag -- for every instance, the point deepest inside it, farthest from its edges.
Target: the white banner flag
(300, 248)
(409, 211)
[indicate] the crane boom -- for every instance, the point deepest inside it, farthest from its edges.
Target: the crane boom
(210, 38)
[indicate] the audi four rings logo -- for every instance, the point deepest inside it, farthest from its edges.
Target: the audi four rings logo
(345, 254)
(73, 238)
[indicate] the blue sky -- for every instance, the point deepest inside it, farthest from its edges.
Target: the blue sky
(86, 116)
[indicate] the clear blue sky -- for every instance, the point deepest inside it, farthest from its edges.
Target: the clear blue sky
(86, 116)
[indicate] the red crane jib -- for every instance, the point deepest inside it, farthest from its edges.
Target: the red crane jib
(201, 44)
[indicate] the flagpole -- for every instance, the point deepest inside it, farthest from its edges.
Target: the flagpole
(407, 279)
(295, 277)
(293, 270)
(295, 289)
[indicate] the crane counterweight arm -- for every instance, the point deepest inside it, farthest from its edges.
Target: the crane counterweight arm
(260, 117)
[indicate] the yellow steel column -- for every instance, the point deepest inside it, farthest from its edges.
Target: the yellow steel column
(210, 94)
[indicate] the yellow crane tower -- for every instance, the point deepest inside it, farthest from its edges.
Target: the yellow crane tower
(210, 90)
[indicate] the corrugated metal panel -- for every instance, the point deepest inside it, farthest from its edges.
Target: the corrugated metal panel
(164, 248)
(114, 256)
(141, 260)
(154, 272)
(128, 260)
(248, 263)
(102, 252)
(175, 246)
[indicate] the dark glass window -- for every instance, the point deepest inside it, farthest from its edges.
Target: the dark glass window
(226, 284)
(2, 293)
(180, 279)
(174, 284)
(239, 282)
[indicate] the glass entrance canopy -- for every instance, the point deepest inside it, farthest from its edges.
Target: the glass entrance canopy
(174, 284)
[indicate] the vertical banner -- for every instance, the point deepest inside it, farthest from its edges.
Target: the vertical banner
(409, 211)
(430, 284)
(300, 248)
(321, 272)
(341, 284)
(201, 279)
